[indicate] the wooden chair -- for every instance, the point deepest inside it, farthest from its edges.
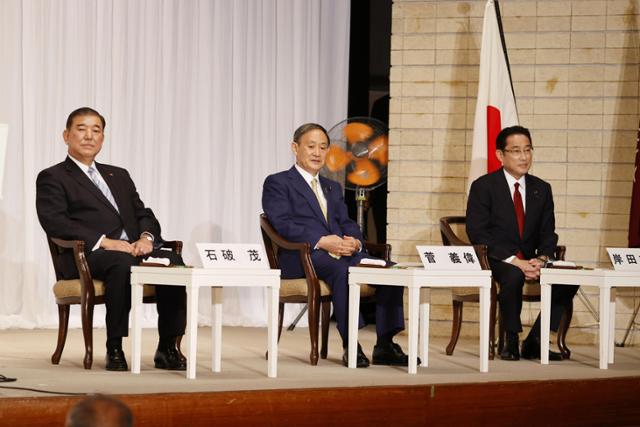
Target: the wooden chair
(309, 290)
(84, 291)
(453, 232)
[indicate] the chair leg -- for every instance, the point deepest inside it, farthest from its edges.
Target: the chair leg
(87, 332)
(500, 335)
(326, 315)
(455, 326)
(314, 320)
(280, 319)
(492, 329)
(563, 328)
(63, 327)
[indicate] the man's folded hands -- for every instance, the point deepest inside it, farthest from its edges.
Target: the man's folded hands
(138, 248)
(343, 246)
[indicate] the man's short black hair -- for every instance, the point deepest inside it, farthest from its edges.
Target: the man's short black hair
(308, 127)
(84, 111)
(501, 139)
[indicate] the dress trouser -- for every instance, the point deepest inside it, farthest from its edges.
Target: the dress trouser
(511, 280)
(389, 305)
(114, 269)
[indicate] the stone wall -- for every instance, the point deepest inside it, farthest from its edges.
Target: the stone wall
(575, 74)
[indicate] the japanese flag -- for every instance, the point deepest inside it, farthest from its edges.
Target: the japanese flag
(496, 104)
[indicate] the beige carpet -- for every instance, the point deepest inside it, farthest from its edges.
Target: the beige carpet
(25, 354)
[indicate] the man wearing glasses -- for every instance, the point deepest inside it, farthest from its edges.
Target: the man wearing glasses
(511, 212)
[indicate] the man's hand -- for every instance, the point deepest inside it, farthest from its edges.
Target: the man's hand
(116, 245)
(331, 244)
(530, 268)
(142, 246)
(339, 246)
(352, 243)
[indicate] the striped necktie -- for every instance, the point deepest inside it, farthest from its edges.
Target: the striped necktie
(314, 187)
(104, 189)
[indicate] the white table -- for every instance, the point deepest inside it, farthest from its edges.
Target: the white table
(193, 279)
(606, 281)
(418, 281)
(555, 276)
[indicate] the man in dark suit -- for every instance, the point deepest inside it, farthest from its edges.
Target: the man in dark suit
(511, 212)
(80, 199)
(305, 207)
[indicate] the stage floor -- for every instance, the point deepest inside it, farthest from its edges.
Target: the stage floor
(25, 354)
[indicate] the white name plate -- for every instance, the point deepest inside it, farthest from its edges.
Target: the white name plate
(625, 259)
(232, 255)
(448, 257)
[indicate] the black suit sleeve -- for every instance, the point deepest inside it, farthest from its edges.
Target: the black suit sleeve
(54, 213)
(479, 221)
(278, 207)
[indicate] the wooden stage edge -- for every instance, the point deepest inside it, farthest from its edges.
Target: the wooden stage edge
(600, 402)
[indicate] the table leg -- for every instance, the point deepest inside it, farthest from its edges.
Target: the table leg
(485, 304)
(612, 325)
(545, 321)
(423, 339)
(272, 331)
(605, 300)
(354, 311)
(136, 326)
(414, 296)
(216, 329)
(192, 330)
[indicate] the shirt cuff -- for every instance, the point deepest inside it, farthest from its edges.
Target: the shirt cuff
(508, 260)
(97, 245)
(146, 233)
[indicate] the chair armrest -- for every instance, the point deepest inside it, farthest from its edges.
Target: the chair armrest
(69, 244)
(560, 253)
(449, 238)
(271, 237)
(481, 252)
(87, 290)
(380, 250)
(280, 241)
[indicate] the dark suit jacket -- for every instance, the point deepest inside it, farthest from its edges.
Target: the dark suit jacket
(294, 211)
(70, 206)
(491, 217)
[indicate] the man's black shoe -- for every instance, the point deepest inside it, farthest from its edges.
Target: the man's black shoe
(390, 354)
(509, 355)
(115, 360)
(531, 350)
(361, 359)
(169, 358)
(511, 349)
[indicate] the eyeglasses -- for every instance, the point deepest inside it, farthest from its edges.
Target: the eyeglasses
(528, 151)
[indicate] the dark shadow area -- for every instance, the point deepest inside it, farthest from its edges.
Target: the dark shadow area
(369, 63)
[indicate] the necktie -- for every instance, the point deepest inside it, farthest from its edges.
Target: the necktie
(314, 187)
(519, 208)
(323, 208)
(104, 189)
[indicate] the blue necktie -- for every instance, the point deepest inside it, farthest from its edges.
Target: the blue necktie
(104, 189)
